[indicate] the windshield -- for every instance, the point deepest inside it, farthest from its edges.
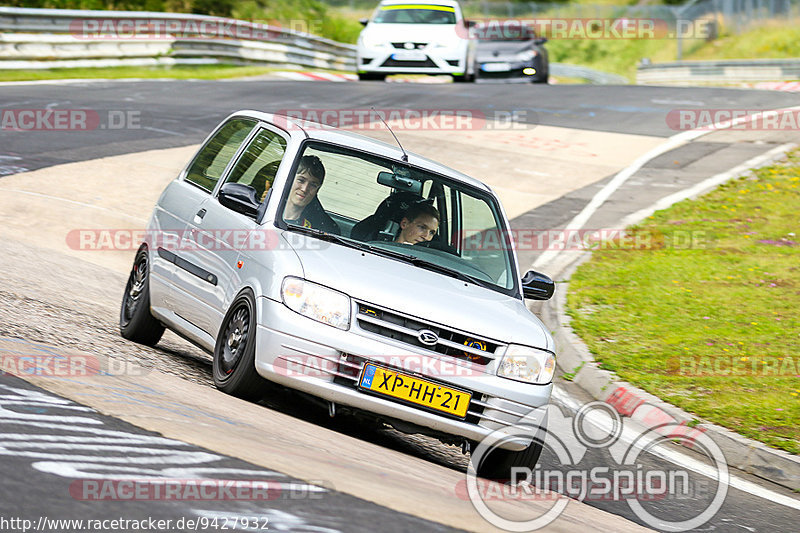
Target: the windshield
(415, 14)
(398, 211)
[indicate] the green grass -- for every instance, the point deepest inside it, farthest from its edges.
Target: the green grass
(675, 316)
(621, 56)
(201, 72)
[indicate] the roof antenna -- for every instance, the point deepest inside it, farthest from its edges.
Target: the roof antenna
(405, 155)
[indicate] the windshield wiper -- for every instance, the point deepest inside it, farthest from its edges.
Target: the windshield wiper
(408, 258)
(429, 265)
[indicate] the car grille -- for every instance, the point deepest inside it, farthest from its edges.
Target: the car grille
(417, 46)
(409, 64)
(407, 330)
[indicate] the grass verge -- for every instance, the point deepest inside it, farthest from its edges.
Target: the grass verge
(197, 72)
(773, 40)
(704, 312)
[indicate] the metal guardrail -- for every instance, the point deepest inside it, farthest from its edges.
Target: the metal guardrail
(48, 38)
(58, 38)
(586, 73)
(718, 72)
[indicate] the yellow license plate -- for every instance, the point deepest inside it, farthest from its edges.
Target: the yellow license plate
(413, 390)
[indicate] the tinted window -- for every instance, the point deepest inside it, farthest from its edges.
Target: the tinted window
(403, 14)
(210, 163)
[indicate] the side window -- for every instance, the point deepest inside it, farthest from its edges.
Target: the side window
(259, 162)
(210, 163)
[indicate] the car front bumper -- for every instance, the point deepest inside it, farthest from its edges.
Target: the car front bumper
(286, 354)
(383, 61)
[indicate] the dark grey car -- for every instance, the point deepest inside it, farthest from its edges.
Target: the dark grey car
(511, 54)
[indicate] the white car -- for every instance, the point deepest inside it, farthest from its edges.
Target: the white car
(429, 37)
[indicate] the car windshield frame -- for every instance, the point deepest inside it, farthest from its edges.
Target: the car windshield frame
(432, 9)
(504, 232)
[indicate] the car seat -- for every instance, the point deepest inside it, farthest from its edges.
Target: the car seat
(384, 223)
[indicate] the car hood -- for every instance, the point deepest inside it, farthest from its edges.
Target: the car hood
(500, 50)
(417, 33)
(424, 294)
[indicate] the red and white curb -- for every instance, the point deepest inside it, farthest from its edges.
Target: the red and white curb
(317, 76)
(328, 76)
(787, 86)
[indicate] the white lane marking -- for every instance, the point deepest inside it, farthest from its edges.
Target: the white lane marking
(157, 130)
(706, 184)
(667, 101)
(630, 435)
(75, 202)
(622, 176)
(532, 172)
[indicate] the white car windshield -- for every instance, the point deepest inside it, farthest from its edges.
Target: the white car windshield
(418, 14)
(400, 211)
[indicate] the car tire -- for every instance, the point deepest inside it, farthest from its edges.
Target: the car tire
(466, 78)
(543, 79)
(234, 366)
(136, 323)
(371, 76)
(497, 463)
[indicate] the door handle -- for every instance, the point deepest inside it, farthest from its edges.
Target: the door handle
(198, 218)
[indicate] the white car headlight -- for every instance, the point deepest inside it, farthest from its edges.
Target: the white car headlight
(527, 55)
(316, 302)
(531, 365)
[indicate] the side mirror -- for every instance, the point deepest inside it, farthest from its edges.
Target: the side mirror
(240, 198)
(363, 22)
(537, 286)
(470, 23)
(540, 40)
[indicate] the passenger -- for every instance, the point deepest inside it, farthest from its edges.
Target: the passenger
(419, 224)
(262, 182)
(302, 206)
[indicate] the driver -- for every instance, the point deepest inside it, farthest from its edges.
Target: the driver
(419, 224)
(303, 208)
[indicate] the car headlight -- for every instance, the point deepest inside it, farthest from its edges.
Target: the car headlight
(316, 302)
(531, 365)
(527, 55)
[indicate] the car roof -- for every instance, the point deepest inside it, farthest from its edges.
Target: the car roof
(330, 134)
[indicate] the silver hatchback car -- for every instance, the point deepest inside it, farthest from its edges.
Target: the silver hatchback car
(377, 281)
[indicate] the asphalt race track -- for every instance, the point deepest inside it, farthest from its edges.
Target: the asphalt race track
(62, 440)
